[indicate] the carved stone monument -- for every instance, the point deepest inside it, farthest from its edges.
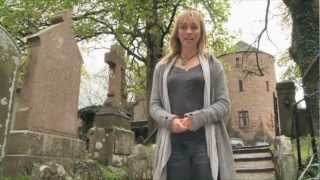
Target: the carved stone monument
(111, 138)
(111, 114)
(115, 60)
(45, 123)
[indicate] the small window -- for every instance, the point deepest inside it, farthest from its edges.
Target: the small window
(237, 62)
(267, 86)
(243, 119)
(240, 86)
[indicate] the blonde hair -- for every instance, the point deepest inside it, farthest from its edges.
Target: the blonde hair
(175, 45)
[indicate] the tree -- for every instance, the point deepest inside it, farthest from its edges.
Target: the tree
(141, 27)
(305, 32)
(304, 49)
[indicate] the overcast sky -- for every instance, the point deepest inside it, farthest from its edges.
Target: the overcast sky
(247, 21)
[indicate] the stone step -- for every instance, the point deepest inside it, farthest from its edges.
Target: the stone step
(253, 156)
(251, 150)
(256, 176)
(255, 170)
(254, 166)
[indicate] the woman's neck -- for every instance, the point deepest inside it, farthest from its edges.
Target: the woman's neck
(187, 53)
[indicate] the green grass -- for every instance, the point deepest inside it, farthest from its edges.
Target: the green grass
(305, 148)
(111, 173)
(306, 153)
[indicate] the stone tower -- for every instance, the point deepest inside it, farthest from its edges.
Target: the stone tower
(252, 107)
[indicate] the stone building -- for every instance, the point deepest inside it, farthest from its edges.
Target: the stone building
(252, 95)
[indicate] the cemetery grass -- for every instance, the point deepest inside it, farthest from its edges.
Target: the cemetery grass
(305, 147)
(313, 170)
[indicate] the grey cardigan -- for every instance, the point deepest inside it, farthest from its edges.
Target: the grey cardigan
(216, 107)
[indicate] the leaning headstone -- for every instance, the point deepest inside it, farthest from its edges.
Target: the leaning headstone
(45, 122)
(9, 60)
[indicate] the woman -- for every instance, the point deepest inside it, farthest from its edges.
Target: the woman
(189, 101)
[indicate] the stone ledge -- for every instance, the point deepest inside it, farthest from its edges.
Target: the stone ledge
(41, 144)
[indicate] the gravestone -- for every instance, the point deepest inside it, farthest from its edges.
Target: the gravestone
(140, 109)
(45, 123)
(9, 60)
(111, 113)
(115, 60)
(110, 146)
(111, 138)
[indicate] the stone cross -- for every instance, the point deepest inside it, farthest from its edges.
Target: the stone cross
(115, 60)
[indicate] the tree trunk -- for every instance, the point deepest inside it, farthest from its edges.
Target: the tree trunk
(305, 31)
(305, 43)
(154, 53)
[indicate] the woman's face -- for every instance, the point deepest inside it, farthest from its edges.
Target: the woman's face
(189, 32)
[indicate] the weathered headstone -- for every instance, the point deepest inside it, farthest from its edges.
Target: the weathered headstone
(49, 98)
(110, 146)
(140, 162)
(9, 60)
(45, 122)
(140, 109)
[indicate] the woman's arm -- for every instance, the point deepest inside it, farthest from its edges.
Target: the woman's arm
(157, 112)
(217, 111)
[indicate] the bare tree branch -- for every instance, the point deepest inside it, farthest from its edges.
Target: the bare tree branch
(166, 30)
(260, 36)
(129, 51)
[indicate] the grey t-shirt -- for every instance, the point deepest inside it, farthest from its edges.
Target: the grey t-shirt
(185, 90)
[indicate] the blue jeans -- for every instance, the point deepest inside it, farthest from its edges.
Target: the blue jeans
(189, 160)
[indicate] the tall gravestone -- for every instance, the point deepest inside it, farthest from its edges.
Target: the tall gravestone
(9, 60)
(45, 123)
(111, 114)
(111, 140)
(115, 60)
